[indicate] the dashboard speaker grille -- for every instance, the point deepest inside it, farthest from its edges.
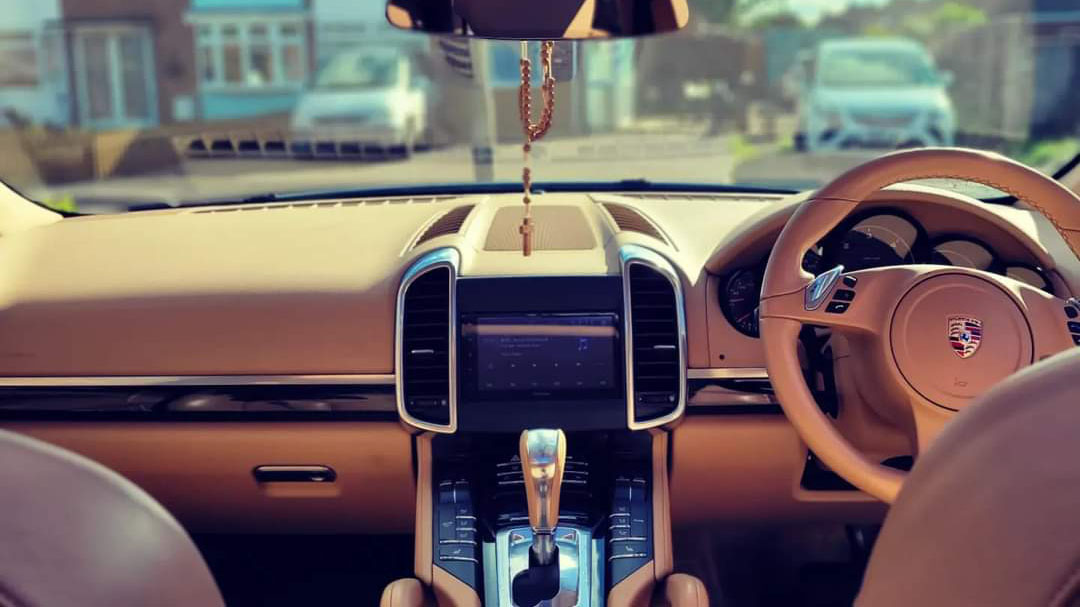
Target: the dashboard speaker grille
(654, 328)
(449, 223)
(425, 344)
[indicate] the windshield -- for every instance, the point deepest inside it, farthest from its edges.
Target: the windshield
(110, 105)
(358, 71)
(876, 68)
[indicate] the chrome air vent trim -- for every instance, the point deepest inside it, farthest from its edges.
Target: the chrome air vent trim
(629, 256)
(450, 259)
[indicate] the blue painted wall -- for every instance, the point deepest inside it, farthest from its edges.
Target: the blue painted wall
(245, 5)
(220, 105)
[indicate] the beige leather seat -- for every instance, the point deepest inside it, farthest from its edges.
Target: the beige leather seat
(75, 533)
(991, 513)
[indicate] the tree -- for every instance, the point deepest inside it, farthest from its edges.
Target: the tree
(949, 16)
(731, 12)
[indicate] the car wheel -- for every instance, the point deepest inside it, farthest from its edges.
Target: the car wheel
(799, 141)
(408, 142)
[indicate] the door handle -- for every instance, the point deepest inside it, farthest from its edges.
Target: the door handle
(294, 474)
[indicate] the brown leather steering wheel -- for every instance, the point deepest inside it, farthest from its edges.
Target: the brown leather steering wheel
(927, 338)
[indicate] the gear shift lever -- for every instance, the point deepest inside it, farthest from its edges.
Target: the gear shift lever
(543, 457)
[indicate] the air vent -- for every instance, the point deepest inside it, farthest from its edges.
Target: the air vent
(425, 344)
(656, 341)
(630, 220)
(449, 223)
(329, 204)
(702, 197)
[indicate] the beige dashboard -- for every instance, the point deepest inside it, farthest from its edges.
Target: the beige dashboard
(309, 288)
(284, 292)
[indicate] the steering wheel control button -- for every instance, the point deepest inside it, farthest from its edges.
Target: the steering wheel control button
(837, 307)
(1074, 327)
(850, 281)
(953, 336)
(1071, 312)
(844, 295)
(818, 290)
(1076, 339)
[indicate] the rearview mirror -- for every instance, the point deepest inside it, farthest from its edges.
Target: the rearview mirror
(538, 19)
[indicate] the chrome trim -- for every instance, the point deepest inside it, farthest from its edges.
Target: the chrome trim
(817, 291)
(719, 396)
(728, 373)
(630, 255)
(194, 380)
(439, 258)
(578, 575)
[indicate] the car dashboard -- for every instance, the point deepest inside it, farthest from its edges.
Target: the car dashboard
(189, 348)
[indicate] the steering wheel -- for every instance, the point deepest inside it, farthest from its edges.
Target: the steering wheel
(926, 339)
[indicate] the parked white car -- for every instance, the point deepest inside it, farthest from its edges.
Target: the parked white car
(370, 97)
(873, 92)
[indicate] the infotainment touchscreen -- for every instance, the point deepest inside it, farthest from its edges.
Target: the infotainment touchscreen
(542, 357)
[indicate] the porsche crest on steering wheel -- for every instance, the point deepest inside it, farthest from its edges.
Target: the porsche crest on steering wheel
(965, 335)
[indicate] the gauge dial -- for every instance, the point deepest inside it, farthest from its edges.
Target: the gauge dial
(739, 298)
(962, 254)
(877, 241)
(1030, 275)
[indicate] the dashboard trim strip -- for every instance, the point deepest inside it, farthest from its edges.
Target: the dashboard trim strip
(196, 380)
(728, 373)
(635, 254)
(335, 379)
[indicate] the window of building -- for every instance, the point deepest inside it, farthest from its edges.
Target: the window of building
(18, 59)
(251, 53)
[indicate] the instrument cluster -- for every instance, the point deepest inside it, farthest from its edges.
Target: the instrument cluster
(879, 239)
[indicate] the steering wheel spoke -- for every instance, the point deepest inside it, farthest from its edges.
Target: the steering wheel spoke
(854, 302)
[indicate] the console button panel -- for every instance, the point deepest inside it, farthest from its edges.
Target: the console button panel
(457, 543)
(629, 529)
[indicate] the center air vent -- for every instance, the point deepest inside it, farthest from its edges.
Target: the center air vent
(656, 339)
(425, 343)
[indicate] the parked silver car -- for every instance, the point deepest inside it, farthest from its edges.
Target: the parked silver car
(873, 92)
(368, 96)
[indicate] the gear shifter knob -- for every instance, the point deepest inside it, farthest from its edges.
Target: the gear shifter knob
(543, 457)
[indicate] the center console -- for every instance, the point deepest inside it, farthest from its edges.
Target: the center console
(537, 484)
(480, 529)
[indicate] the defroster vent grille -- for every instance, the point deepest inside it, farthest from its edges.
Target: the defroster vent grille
(449, 223)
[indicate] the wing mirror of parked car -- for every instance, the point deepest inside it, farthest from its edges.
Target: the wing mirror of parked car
(538, 20)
